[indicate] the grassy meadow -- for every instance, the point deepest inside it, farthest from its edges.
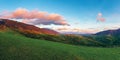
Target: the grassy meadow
(14, 46)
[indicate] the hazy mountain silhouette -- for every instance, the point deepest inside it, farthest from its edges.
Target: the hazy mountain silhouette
(109, 32)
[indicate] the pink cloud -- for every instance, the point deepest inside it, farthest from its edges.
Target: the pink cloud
(100, 17)
(54, 17)
(35, 17)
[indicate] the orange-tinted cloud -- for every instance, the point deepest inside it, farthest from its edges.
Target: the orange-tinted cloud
(35, 17)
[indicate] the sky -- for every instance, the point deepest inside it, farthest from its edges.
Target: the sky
(84, 16)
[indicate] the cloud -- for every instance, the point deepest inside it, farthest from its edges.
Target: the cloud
(100, 17)
(85, 31)
(35, 17)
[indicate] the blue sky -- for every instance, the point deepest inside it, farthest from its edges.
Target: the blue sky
(78, 13)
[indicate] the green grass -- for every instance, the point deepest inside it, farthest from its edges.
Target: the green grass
(14, 46)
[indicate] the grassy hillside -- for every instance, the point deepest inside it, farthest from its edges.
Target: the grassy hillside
(90, 40)
(14, 46)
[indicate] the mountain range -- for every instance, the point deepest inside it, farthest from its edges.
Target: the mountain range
(26, 28)
(109, 32)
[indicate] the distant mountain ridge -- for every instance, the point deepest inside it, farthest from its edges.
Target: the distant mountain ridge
(22, 27)
(109, 32)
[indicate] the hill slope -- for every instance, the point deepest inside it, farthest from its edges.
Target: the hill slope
(25, 28)
(14, 46)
